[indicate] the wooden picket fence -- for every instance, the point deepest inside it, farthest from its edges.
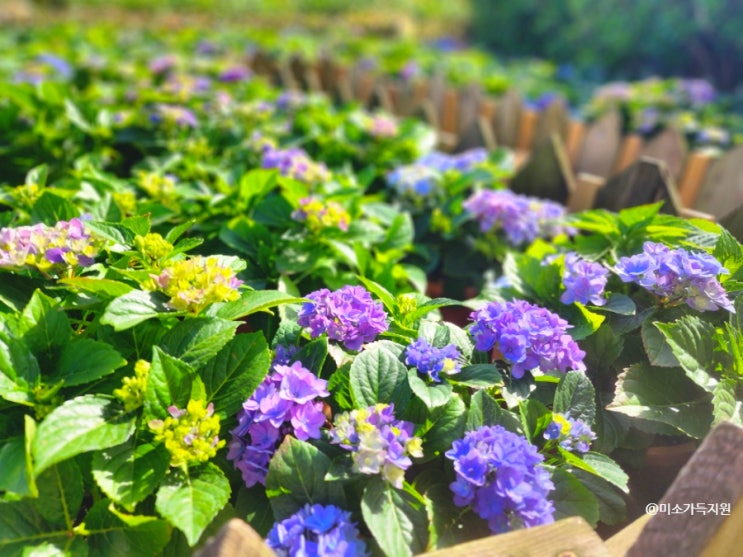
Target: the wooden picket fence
(701, 514)
(597, 165)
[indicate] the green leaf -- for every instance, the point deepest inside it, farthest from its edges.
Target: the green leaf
(296, 477)
(575, 396)
(429, 306)
(44, 325)
(190, 500)
(178, 231)
(86, 360)
(658, 350)
(480, 376)
(100, 287)
(445, 424)
(60, 494)
(19, 371)
(384, 295)
(432, 395)
(692, 342)
(485, 410)
(535, 417)
(398, 521)
(254, 301)
(50, 208)
(21, 527)
(584, 321)
(235, 372)
(572, 498)
(15, 462)
(112, 231)
(127, 473)
(663, 395)
(169, 382)
(195, 341)
(612, 508)
(75, 116)
(133, 308)
(619, 304)
(378, 376)
(86, 423)
(253, 506)
(114, 534)
(725, 403)
(139, 224)
(451, 525)
(607, 469)
(313, 355)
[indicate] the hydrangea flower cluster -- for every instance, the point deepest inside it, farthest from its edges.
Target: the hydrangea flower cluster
(431, 360)
(284, 403)
(584, 281)
(174, 115)
(348, 315)
(197, 282)
(378, 441)
(572, 434)
(677, 274)
(523, 219)
(50, 249)
(317, 530)
(319, 215)
(461, 162)
(191, 435)
(153, 246)
(499, 474)
(132, 390)
(294, 163)
(156, 185)
(381, 126)
(415, 181)
(528, 336)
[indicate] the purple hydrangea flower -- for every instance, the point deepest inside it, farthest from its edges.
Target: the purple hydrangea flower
(677, 275)
(284, 403)
(348, 315)
(699, 92)
(410, 70)
(234, 74)
(174, 114)
(294, 163)
(572, 434)
(317, 530)
(584, 281)
(431, 360)
(500, 475)
(462, 162)
(379, 442)
(523, 219)
(414, 181)
(528, 336)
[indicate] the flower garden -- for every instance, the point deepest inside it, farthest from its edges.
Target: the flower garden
(220, 298)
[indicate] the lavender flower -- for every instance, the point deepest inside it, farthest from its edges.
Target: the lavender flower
(174, 115)
(461, 162)
(294, 163)
(677, 275)
(415, 181)
(283, 404)
(584, 281)
(523, 219)
(431, 360)
(319, 215)
(348, 315)
(528, 337)
(500, 475)
(378, 441)
(572, 434)
(316, 530)
(699, 92)
(234, 74)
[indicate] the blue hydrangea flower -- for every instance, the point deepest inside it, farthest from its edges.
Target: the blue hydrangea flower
(677, 275)
(572, 434)
(528, 336)
(379, 442)
(523, 219)
(431, 360)
(285, 403)
(317, 530)
(584, 281)
(500, 475)
(348, 315)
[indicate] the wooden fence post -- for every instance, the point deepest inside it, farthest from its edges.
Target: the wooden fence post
(547, 173)
(669, 147)
(629, 152)
(600, 146)
(723, 184)
(236, 539)
(691, 180)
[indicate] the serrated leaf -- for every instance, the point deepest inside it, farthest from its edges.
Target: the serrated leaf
(658, 350)
(432, 395)
(106, 287)
(111, 231)
(398, 522)
(20, 523)
(612, 508)
(195, 341)
(692, 342)
(619, 304)
(86, 360)
(451, 525)
(190, 501)
(480, 376)
(129, 472)
(60, 494)
(113, 536)
(313, 355)
(725, 404)
(378, 376)
(484, 410)
(86, 423)
(254, 301)
(235, 372)
(44, 325)
(444, 425)
(296, 476)
(51, 208)
(169, 382)
(133, 308)
(607, 469)
(572, 498)
(575, 396)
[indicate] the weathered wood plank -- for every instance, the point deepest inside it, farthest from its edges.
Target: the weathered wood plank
(236, 539)
(723, 184)
(645, 181)
(547, 173)
(629, 152)
(552, 120)
(670, 147)
(587, 187)
(619, 543)
(450, 111)
(527, 129)
(600, 146)
(713, 476)
(693, 177)
(574, 142)
(569, 537)
(507, 119)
